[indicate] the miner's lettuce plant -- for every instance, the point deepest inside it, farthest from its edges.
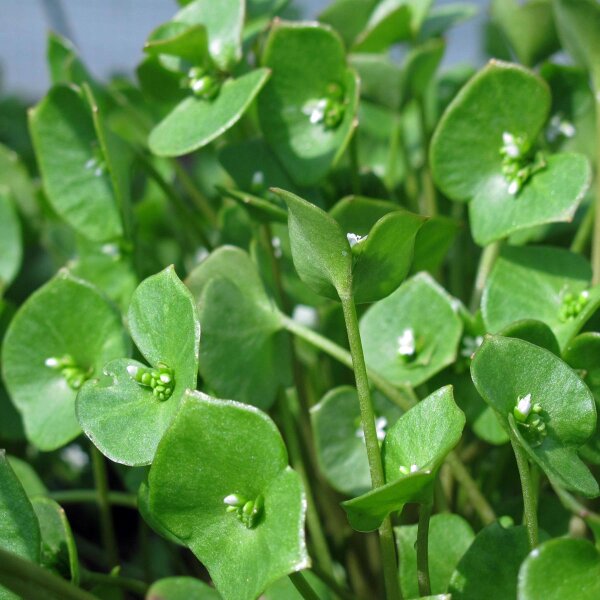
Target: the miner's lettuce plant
(302, 312)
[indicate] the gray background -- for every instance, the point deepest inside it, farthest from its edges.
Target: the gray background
(110, 35)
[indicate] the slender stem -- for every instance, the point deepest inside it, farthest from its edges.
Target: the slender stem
(201, 202)
(596, 239)
(367, 415)
(584, 231)
(405, 398)
(127, 583)
(423, 550)
(106, 522)
(303, 586)
(31, 581)
(84, 496)
(529, 494)
(332, 584)
(571, 503)
(354, 166)
(486, 262)
(312, 517)
(428, 192)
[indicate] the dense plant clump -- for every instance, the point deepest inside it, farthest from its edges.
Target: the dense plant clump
(300, 314)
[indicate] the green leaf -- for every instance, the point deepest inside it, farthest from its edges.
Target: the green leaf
(534, 332)
(348, 17)
(19, 530)
(578, 22)
(223, 21)
(284, 589)
(434, 239)
(15, 179)
(490, 567)
(381, 79)
(29, 479)
(561, 568)
(177, 39)
(213, 449)
(195, 122)
(321, 252)
(449, 538)
(124, 418)
(339, 439)
(308, 108)
(181, 588)
(73, 164)
(11, 250)
(442, 18)
(58, 550)
(506, 370)
(413, 450)
(541, 283)
(529, 28)
(68, 321)
(419, 316)
(420, 67)
(468, 163)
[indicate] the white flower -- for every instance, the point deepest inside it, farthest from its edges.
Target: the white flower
(511, 148)
(51, 362)
(354, 239)
(524, 406)
(406, 343)
(132, 370)
(513, 187)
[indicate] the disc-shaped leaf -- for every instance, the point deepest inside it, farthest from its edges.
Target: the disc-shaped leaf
(15, 178)
(561, 568)
(216, 449)
(413, 333)
(195, 122)
(64, 333)
(189, 42)
(449, 538)
(339, 438)
(58, 550)
(19, 529)
(11, 250)
(321, 252)
(73, 164)
(490, 567)
(506, 370)
(181, 588)
(348, 17)
(124, 418)
(534, 332)
(223, 21)
(307, 109)
(413, 450)
(30, 480)
(541, 283)
(529, 28)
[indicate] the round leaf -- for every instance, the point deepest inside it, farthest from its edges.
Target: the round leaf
(66, 317)
(505, 370)
(216, 448)
(11, 251)
(181, 588)
(419, 305)
(306, 59)
(195, 122)
(123, 418)
(561, 568)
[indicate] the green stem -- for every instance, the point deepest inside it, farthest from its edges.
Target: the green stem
(106, 522)
(354, 166)
(32, 582)
(92, 578)
(429, 207)
(201, 202)
(84, 496)
(423, 550)
(596, 238)
(303, 586)
(571, 503)
(332, 584)
(529, 493)
(584, 231)
(486, 262)
(367, 415)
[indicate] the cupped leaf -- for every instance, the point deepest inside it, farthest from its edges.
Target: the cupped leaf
(307, 110)
(561, 568)
(18, 184)
(58, 550)
(121, 413)
(413, 450)
(73, 164)
(321, 252)
(490, 567)
(64, 333)
(30, 480)
(529, 28)
(542, 283)
(189, 42)
(505, 372)
(348, 17)
(11, 248)
(442, 18)
(413, 333)
(449, 538)
(223, 21)
(381, 79)
(221, 483)
(181, 588)
(19, 529)
(195, 122)
(339, 438)
(534, 332)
